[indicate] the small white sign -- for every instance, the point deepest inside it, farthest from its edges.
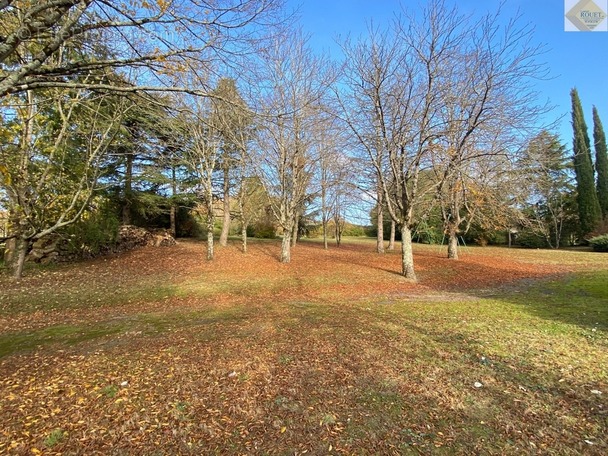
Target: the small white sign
(585, 15)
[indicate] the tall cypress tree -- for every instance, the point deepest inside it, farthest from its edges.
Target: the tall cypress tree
(589, 211)
(601, 163)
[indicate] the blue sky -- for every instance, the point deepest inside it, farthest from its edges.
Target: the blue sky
(575, 59)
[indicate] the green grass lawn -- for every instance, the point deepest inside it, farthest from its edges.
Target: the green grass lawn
(216, 367)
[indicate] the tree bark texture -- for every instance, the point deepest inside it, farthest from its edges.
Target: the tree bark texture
(391, 241)
(407, 256)
(453, 245)
(226, 220)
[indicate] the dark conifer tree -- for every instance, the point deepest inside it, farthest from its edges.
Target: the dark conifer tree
(588, 205)
(601, 163)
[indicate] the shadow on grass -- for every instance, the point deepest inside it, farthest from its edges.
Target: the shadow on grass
(575, 299)
(151, 324)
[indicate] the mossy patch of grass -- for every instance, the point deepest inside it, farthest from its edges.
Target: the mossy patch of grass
(83, 296)
(145, 324)
(54, 438)
(60, 334)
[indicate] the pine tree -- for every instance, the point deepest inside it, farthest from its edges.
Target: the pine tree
(601, 163)
(588, 205)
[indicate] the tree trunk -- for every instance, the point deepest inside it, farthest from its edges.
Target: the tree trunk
(286, 246)
(324, 209)
(294, 234)
(226, 221)
(126, 206)
(9, 252)
(338, 233)
(244, 237)
(22, 248)
(380, 226)
(172, 228)
(453, 245)
(210, 220)
(173, 209)
(391, 241)
(407, 256)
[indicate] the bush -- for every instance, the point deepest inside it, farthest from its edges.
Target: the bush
(531, 240)
(264, 230)
(599, 243)
(95, 232)
(355, 230)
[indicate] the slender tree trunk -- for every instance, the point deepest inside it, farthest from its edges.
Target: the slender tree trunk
(226, 221)
(407, 255)
(244, 223)
(126, 206)
(244, 236)
(286, 246)
(172, 227)
(380, 227)
(22, 248)
(324, 215)
(453, 245)
(173, 209)
(391, 241)
(338, 233)
(210, 226)
(294, 234)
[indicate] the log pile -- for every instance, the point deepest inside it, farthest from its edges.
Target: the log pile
(55, 249)
(48, 250)
(130, 237)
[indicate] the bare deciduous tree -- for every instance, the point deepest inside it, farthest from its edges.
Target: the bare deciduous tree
(435, 83)
(294, 82)
(156, 39)
(487, 109)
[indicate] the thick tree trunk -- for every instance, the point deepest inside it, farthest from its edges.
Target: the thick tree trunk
(286, 246)
(294, 233)
(226, 221)
(407, 255)
(325, 245)
(453, 245)
(22, 248)
(10, 252)
(391, 241)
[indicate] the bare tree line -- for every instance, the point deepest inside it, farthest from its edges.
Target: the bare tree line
(418, 114)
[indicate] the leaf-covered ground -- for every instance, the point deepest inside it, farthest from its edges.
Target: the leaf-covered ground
(161, 352)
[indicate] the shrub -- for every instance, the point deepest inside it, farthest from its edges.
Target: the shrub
(264, 230)
(531, 240)
(355, 230)
(96, 231)
(599, 243)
